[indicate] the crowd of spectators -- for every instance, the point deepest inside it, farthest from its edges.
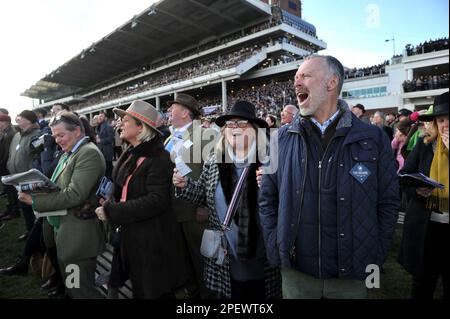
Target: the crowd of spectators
(427, 46)
(426, 82)
(215, 43)
(367, 71)
(268, 98)
(198, 68)
(192, 51)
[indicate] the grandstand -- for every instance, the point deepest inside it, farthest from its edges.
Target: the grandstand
(214, 50)
(410, 80)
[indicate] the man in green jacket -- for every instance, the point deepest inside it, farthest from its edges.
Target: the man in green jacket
(78, 234)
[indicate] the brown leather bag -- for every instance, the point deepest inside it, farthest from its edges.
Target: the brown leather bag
(86, 211)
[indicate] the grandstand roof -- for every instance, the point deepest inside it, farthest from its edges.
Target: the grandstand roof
(164, 28)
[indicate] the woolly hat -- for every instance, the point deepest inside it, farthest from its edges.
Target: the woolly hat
(29, 115)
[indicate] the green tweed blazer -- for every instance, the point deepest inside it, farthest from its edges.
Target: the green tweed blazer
(76, 239)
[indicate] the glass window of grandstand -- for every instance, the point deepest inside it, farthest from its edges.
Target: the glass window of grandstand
(365, 93)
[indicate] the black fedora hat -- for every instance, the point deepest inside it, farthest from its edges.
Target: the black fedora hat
(187, 101)
(243, 110)
(440, 107)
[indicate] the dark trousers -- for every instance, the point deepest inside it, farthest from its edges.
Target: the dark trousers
(28, 215)
(50, 246)
(13, 202)
(34, 241)
(436, 263)
(192, 232)
(251, 289)
(52, 255)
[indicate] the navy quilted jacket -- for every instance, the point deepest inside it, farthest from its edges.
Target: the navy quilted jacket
(338, 228)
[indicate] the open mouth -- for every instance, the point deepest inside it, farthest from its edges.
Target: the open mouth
(302, 96)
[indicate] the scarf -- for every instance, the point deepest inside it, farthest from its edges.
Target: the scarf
(438, 199)
(245, 216)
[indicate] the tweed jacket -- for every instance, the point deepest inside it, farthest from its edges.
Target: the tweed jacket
(76, 239)
(202, 192)
(192, 157)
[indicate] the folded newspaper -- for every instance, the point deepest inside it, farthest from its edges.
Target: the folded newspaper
(419, 180)
(34, 182)
(31, 181)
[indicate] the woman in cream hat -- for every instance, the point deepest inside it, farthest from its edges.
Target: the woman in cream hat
(140, 211)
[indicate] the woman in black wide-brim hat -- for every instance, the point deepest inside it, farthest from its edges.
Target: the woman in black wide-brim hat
(245, 272)
(426, 232)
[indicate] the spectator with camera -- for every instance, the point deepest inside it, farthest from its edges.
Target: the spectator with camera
(41, 114)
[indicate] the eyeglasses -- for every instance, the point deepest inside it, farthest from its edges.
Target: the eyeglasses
(235, 124)
(286, 112)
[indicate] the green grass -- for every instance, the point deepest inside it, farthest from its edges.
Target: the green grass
(24, 287)
(395, 282)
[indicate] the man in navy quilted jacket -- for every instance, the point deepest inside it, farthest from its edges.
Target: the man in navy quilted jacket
(329, 212)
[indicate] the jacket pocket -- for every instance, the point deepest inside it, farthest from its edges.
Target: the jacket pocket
(365, 159)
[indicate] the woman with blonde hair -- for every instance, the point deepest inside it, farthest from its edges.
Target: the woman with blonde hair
(147, 253)
(244, 272)
(423, 251)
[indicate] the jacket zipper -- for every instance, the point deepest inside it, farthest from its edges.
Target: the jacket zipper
(320, 235)
(319, 206)
(292, 251)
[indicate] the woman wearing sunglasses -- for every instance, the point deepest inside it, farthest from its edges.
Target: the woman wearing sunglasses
(147, 251)
(244, 273)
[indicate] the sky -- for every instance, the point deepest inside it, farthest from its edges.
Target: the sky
(37, 36)
(355, 30)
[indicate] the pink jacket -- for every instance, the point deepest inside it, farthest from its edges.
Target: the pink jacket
(397, 147)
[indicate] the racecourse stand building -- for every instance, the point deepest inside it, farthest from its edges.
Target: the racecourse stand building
(215, 50)
(220, 51)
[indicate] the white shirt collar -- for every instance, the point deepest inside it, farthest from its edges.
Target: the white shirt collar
(323, 127)
(180, 130)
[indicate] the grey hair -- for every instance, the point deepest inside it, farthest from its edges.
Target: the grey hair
(334, 66)
(293, 107)
(380, 114)
(70, 120)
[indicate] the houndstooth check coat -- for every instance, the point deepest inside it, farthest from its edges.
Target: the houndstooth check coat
(202, 192)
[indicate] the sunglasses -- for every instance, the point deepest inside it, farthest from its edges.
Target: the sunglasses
(64, 119)
(235, 124)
